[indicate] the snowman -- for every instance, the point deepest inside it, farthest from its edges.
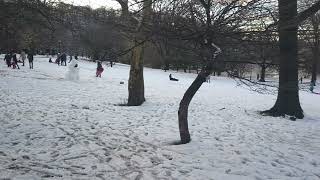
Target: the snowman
(73, 71)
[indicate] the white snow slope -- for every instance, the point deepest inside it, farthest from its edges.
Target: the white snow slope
(51, 128)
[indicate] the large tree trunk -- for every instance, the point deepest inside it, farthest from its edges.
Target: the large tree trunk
(288, 94)
(136, 81)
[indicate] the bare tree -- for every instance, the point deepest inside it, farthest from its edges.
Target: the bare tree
(311, 34)
(136, 80)
(288, 94)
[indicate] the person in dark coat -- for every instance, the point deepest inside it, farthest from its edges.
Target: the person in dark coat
(30, 58)
(15, 61)
(58, 59)
(172, 79)
(7, 58)
(63, 59)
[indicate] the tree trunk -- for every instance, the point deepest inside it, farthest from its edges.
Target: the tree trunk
(184, 106)
(263, 73)
(136, 81)
(314, 65)
(191, 91)
(315, 24)
(288, 94)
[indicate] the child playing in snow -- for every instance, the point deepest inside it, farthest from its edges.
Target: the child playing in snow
(99, 69)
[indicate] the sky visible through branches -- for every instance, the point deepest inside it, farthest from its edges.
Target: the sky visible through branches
(95, 3)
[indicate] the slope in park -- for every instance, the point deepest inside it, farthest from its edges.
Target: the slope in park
(52, 128)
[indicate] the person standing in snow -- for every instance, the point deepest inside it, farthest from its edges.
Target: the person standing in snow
(63, 59)
(99, 69)
(311, 87)
(30, 58)
(7, 58)
(23, 57)
(15, 61)
(73, 72)
(208, 79)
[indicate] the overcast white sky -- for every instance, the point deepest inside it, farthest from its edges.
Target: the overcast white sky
(95, 3)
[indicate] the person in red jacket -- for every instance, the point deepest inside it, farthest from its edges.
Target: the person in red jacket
(99, 69)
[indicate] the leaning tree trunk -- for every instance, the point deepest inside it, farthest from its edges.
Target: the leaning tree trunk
(191, 91)
(184, 106)
(288, 94)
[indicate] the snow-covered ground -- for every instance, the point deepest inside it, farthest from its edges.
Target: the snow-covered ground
(52, 128)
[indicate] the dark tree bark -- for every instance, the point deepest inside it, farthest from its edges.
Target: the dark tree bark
(184, 106)
(315, 50)
(288, 94)
(136, 82)
(263, 73)
(314, 65)
(191, 91)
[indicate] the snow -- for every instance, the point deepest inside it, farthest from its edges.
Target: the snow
(52, 128)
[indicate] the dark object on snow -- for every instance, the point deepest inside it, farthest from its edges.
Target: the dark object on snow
(121, 82)
(172, 79)
(50, 60)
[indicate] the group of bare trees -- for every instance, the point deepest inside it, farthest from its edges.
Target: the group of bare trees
(205, 35)
(208, 22)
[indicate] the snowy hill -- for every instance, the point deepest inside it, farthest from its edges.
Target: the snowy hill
(52, 128)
